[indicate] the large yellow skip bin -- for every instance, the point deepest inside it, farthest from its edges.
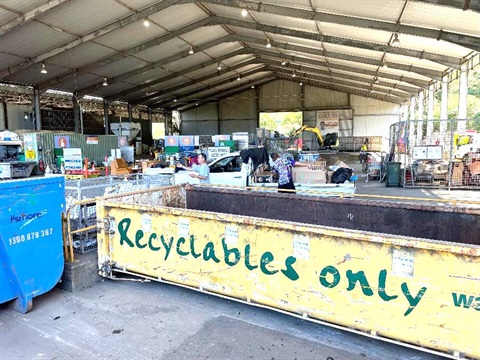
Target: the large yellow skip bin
(420, 292)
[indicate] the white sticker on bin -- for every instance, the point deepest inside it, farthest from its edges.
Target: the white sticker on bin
(231, 234)
(402, 263)
(301, 246)
(183, 228)
(146, 220)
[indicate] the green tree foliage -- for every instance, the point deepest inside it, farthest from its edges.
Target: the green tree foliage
(267, 121)
(283, 122)
(473, 100)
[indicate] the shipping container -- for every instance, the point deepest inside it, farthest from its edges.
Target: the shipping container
(31, 242)
(419, 292)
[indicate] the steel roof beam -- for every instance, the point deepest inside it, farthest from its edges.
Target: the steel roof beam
(173, 75)
(459, 4)
(449, 61)
(467, 41)
(368, 87)
(29, 15)
(437, 75)
(348, 90)
(156, 65)
(92, 35)
(125, 53)
(416, 82)
(433, 74)
(163, 92)
(208, 87)
(311, 72)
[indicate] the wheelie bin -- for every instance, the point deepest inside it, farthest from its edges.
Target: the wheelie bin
(31, 245)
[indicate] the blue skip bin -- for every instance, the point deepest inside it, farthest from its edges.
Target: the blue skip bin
(31, 245)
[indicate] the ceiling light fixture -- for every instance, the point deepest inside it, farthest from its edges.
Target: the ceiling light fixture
(384, 65)
(174, 99)
(44, 69)
(376, 80)
(395, 41)
(252, 87)
(238, 77)
(284, 63)
(269, 45)
(105, 82)
(191, 50)
(146, 23)
(294, 74)
(301, 83)
(196, 103)
(244, 13)
(219, 67)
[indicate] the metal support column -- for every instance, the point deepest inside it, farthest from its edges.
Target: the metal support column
(462, 98)
(76, 115)
(106, 122)
(37, 109)
(130, 117)
(431, 104)
(411, 123)
(444, 106)
(421, 99)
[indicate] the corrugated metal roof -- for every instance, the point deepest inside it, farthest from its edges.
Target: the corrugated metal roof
(82, 41)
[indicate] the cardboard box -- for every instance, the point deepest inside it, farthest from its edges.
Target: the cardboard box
(457, 174)
(309, 174)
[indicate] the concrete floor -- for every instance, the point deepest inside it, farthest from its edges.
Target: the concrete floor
(133, 320)
(463, 198)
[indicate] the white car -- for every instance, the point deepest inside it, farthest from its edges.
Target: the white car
(226, 170)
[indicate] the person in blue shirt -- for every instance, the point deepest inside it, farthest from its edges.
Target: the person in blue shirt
(283, 167)
(201, 171)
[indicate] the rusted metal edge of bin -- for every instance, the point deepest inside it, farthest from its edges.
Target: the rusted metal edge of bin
(419, 292)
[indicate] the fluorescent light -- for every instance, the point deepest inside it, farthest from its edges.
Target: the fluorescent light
(396, 41)
(105, 82)
(44, 69)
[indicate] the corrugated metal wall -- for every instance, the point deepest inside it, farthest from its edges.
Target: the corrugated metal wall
(202, 120)
(359, 117)
(16, 117)
(280, 95)
(324, 98)
(92, 152)
(239, 113)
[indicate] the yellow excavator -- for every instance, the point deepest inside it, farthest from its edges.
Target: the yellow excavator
(331, 139)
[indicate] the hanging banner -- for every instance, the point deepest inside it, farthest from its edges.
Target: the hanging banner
(328, 121)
